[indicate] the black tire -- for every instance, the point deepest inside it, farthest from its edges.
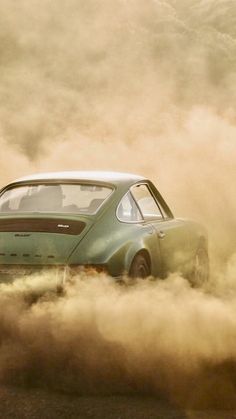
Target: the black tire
(201, 267)
(139, 267)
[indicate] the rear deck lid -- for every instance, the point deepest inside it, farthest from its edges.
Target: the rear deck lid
(40, 239)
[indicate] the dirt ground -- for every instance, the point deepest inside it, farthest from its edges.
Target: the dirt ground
(21, 403)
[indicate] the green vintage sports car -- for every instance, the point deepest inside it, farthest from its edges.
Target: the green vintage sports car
(114, 222)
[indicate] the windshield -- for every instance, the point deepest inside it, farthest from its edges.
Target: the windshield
(69, 198)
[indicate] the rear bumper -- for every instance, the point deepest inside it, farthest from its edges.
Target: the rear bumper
(8, 273)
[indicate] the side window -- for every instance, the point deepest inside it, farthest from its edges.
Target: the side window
(146, 202)
(127, 210)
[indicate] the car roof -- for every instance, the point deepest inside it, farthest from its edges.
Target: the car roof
(94, 176)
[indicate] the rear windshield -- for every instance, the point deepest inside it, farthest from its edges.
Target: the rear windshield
(68, 198)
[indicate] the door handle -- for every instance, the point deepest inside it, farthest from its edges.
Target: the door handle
(161, 234)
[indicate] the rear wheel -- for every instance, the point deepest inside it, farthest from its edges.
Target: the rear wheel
(140, 267)
(201, 267)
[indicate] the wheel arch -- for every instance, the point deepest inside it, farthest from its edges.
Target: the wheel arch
(133, 252)
(203, 242)
(146, 255)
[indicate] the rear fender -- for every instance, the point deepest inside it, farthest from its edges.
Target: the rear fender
(116, 244)
(132, 252)
(125, 255)
(153, 252)
(119, 262)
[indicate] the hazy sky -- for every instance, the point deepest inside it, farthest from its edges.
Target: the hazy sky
(147, 87)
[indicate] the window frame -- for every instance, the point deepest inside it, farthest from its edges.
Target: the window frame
(129, 222)
(165, 217)
(155, 200)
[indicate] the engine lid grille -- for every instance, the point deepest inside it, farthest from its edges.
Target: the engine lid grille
(41, 225)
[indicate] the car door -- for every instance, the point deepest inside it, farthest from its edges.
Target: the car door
(172, 233)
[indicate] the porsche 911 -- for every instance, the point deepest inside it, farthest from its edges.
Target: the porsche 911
(116, 223)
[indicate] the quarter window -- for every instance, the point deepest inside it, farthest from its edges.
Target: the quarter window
(127, 210)
(146, 202)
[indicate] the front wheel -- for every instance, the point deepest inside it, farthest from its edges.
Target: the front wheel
(139, 267)
(201, 267)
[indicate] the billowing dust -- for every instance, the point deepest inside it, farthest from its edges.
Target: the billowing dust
(145, 87)
(154, 337)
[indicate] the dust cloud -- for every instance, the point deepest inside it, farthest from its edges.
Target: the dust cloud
(160, 338)
(145, 87)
